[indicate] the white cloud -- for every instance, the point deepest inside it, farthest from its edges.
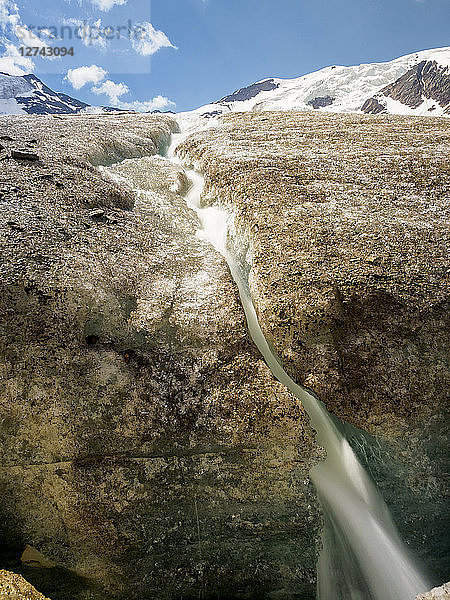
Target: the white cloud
(83, 75)
(145, 39)
(91, 34)
(157, 103)
(112, 90)
(108, 4)
(9, 13)
(149, 40)
(28, 38)
(14, 63)
(11, 61)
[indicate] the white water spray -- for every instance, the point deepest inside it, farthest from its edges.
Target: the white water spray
(363, 557)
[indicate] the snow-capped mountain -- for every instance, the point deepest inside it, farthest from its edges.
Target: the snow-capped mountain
(417, 84)
(26, 94)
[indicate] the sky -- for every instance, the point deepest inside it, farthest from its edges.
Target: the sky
(180, 54)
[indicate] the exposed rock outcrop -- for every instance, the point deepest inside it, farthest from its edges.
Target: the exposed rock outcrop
(426, 80)
(321, 101)
(372, 106)
(145, 448)
(250, 91)
(343, 222)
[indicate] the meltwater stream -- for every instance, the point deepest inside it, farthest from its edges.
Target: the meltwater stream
(363, 557)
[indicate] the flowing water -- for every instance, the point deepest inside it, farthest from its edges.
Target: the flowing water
(363, 557)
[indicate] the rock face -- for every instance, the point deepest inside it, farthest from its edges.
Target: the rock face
(343, 223)
(440, 593)
(372, 106)
(145, 448)
(320, 102)
(14, 587)
(425, 81)
(251, 91)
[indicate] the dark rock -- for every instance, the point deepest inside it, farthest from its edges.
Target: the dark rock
(24, 154)
(44, 101)
(251, 91)
(213, 113)
(91, 340)
(373, 107)
(321, 101)
(98, 214)
(427, 79)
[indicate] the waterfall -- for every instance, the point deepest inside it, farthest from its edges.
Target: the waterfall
(363, 557)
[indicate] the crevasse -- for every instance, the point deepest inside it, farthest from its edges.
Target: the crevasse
(362, 556)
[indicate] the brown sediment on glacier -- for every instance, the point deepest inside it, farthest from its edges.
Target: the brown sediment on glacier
(345, 220)
(343, 223)
(145, 447)
(15, 587)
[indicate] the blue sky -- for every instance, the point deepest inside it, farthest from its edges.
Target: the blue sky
(184, 53)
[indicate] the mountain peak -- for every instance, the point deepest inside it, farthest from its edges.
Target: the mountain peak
(27, 94)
